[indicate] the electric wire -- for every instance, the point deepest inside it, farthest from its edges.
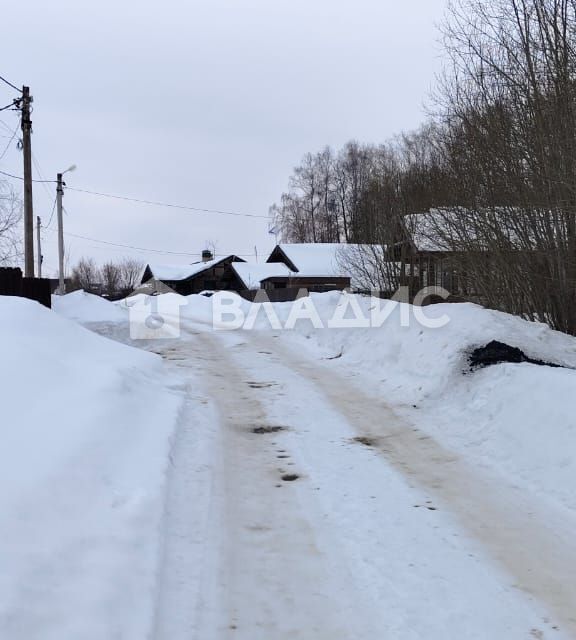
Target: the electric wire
(166, 204)
(11, 175)
(11, 85)
(147, 249)
(51, 215)
(9, 143)
(148, 202)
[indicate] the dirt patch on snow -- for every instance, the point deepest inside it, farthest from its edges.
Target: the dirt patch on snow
(268, 429)
(496, 352)
(366, 441)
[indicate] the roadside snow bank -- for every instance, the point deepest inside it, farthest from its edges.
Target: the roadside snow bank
(85, 427)
(86, 307)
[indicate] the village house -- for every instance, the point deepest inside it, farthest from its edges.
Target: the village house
(435, 243)
(211, 274)
(288, 270)
(314, 267)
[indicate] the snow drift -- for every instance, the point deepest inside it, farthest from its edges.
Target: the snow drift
(86, 425)
(86, 307)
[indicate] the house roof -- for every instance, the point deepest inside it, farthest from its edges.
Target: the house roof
(178, 272)
(334, 260)
(315, 259)
(252, 275)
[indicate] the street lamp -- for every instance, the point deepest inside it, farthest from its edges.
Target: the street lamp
(59, 193)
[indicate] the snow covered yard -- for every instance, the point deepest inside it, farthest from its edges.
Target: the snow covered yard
(335, 483)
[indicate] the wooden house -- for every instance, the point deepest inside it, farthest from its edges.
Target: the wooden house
(212, 274)
(313, 266)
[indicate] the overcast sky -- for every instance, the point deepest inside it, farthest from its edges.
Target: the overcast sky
(204, 103)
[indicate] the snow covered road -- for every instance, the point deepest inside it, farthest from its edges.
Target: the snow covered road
(384, 533)
(347, 485)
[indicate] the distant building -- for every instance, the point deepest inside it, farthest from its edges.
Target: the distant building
(249, 276)
(313, 266)
(209, 275)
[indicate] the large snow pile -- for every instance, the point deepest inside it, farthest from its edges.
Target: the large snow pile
(85, 428)
(85, 307)
(518, 419)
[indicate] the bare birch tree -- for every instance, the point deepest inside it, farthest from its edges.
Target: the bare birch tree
(10, 218)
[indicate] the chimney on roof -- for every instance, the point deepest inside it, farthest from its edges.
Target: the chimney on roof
(207, 255)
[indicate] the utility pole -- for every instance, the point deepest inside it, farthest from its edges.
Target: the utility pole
(26, 124)
(59, 194)
(39, 245)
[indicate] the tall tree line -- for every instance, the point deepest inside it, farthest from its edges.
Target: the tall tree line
(352, 195)
(497, 161)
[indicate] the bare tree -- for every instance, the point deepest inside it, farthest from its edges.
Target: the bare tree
(111, 276)
(10, 218)
(130, 273)
(509, 108)
(86, 275)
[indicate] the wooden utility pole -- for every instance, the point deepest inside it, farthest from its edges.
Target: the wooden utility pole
(39, 245)
(60, 184)
(59, 194)
(26, 123)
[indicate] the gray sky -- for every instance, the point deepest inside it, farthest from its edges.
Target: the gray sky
(203, 103)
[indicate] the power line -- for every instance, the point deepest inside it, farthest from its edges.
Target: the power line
(128, 246)
(9, 143)
(43, 182)
(7, 127)
(10, 175)
(150, 202)
(51, 214)
(10, 84)
(8, 106)
(166, 204)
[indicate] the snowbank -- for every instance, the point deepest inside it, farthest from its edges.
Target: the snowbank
(85, 429)
(85, 307)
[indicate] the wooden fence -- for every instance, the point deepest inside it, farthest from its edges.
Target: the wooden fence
(13, 284)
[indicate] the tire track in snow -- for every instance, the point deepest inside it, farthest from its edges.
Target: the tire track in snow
(532, 542)
(263, 576)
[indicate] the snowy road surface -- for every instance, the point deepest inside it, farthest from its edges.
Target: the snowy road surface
(383, 533)
(346, 484)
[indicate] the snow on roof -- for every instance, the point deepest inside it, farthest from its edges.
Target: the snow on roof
(318, 259)
(335, 260)
(175, 272)
(253, 274)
